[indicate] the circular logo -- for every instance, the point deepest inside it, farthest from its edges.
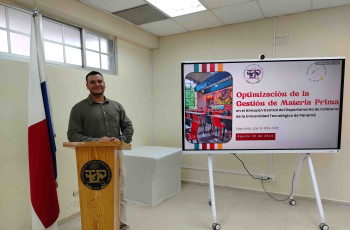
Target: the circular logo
(95, 175)
(316, 72)
(253, 74)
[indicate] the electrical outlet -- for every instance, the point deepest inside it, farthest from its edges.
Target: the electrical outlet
(75, 193)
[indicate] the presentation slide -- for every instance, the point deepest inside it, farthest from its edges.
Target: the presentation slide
(278, 104)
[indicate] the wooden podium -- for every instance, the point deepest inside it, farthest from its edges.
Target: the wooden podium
(99, 176)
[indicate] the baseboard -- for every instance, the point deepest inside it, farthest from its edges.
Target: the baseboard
(324, 201)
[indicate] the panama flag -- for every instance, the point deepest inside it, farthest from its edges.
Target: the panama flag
(41, 145)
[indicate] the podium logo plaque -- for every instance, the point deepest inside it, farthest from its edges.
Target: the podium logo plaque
(95, 175)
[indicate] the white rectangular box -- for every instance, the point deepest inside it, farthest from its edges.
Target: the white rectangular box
(153, 174)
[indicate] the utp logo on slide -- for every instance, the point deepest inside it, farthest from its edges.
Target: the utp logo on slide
(253, 74)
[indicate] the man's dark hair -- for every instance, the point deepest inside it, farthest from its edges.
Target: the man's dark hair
(92, 73)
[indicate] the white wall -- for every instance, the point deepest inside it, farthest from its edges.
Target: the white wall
(324, 33)
(132, 87)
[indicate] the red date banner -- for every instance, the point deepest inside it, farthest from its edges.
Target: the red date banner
(255, 136)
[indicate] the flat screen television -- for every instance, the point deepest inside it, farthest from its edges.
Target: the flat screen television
(262, 106)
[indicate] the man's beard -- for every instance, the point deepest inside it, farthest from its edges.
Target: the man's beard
(97, 94)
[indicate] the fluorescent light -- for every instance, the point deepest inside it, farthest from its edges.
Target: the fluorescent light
(175, 8)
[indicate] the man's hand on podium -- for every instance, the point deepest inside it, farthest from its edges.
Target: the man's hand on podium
(105, 139)
(114, 139)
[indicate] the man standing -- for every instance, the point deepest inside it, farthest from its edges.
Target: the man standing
(97, 118)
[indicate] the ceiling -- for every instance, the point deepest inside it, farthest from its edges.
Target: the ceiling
(219, 12)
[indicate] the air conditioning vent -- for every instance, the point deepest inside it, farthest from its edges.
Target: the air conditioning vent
(141, 15)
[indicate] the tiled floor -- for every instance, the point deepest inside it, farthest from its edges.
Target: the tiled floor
(236, 210)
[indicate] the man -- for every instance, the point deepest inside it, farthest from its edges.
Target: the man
(97, 118)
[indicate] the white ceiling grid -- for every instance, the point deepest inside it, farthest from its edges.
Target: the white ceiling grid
(218, 13)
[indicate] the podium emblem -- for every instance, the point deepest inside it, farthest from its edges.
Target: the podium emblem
(95, 174)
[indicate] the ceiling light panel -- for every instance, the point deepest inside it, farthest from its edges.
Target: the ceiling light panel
(178, 7)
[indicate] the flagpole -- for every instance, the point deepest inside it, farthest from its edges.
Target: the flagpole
(41, 146)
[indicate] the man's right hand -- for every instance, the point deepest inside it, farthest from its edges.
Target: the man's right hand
(114, 139)
(104, 139)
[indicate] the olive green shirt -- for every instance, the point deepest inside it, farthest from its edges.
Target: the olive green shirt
(90, 121)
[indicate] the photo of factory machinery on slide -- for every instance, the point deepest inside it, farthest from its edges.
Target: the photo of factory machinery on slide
(208, 107)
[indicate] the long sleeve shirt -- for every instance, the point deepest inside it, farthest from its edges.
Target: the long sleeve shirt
(90, 121)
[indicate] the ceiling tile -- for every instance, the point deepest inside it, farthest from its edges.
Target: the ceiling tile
(198, 21)
(114, 5)
(219, 12)
(239, 13)
(272, 8)
(163, 28)
(213, 4)
(319, 4)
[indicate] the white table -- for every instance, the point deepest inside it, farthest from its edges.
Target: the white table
(153, 174)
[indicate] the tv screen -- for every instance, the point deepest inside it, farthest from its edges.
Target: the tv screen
(259, 106)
